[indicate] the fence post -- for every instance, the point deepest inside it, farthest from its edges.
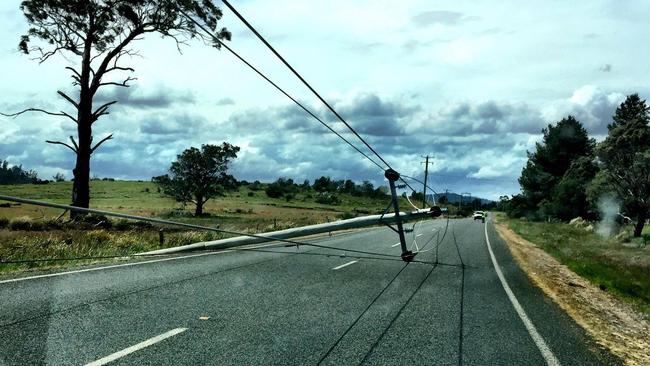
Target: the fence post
(161, 237)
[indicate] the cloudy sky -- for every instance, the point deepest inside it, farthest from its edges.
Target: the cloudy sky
(469, 83)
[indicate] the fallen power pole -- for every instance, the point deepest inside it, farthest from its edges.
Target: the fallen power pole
(355, 223)
(244, 239)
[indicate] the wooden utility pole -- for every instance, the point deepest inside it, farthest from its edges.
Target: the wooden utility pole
(426, 175)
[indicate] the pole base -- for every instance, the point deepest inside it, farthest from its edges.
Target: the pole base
(408, 256)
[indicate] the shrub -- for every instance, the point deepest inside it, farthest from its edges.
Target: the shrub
(93, 221)
(251, 194)
(52, 224)
(274, 191)
(97, 238)
(38, 226)
(255, 186)
(328, 199)
(139, 225)
(4, 222)
(20, 223)
(122, 225)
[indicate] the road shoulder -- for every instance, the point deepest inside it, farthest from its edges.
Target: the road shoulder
(610, 322)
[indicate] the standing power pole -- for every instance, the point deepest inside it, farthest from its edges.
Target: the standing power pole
(426, 175)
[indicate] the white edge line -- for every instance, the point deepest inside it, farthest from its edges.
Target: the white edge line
(344, 265)
(137, 347)
(419, 235)
(122, 265)
(544, 349)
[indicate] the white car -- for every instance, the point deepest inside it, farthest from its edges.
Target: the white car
(479, 215)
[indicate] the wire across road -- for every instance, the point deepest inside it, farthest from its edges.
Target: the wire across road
(276, 306)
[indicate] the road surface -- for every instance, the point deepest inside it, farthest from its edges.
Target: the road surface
(282, 305)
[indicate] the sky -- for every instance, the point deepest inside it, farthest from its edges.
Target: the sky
(469, 83)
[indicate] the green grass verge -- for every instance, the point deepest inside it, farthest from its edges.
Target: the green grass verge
(620, 268)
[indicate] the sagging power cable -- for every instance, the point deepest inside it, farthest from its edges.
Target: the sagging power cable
(419, 181)
(268, 45)
(257, 71)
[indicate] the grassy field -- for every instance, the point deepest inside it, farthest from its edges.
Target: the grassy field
(618, 267)
(30, 232)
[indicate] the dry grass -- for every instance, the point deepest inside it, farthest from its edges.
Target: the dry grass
(613, 323)
(31, 232)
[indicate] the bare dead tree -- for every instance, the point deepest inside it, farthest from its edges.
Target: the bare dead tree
(99, 34)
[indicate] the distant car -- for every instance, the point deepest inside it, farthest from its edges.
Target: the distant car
(479, 215)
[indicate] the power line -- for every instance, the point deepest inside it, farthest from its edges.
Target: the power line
(323, 357)
(419, 181)
(211, 34)
(287, 94)
(304, 81)
(397, 315)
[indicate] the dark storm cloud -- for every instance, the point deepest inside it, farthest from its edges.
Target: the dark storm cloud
(162, 97)
(282, 118)
(173, 124)
(488, 117)
(371, 115)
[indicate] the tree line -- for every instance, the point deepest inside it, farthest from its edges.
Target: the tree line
(570, 175)
(16, 174)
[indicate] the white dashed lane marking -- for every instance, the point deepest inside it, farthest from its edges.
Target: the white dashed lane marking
(344, 265)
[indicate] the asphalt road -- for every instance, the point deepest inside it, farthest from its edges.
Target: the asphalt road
(298, 306)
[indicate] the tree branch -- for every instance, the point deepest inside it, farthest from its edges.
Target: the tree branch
(62, 143)
(124, 83)
(74, 143)
(69, 116)
(102, 110)
(62, 114)
(96, 82)
(75, 104)
(109, 137)
(77, 75)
